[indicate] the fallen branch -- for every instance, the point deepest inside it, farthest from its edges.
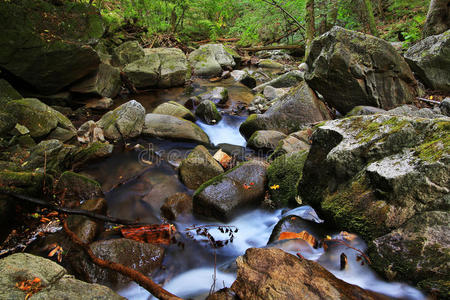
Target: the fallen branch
(429, 101)
(223, 40)
(72, 211)
(290, 32)
(148, 284)
(348, 245)
(278, 47)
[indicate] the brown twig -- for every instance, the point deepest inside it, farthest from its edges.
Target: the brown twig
(348, 245)
(429, 101)
(148, 284)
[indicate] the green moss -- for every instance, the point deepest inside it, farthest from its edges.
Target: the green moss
(437, 287)
(249, 126)
(436, 144)
(286, 171)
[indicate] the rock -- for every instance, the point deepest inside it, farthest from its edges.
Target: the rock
(198, 167)
(269, 64)
(176, 205)
(412, 111)
(7, 123)
(291, 222)
(58, 58)
(104, 82)
(61, 99)
(222, 158)
(286, 171)
(208, 60)
(223, 294)
(173, 66)
(445, 106)
(126, 121)
(55, 280)
(7, 93)
(171, 127)
(218, 95)
(265, 139)
(295, 142)
(297, 108)
(144, 72)
(92, 152)
(244, 77)
(288, 79)
(272, 93)
(262, 274)
(350, 68)
(207, 112)
(52, 155)
(437, 18)
(175, 109)
(77, 188)
(362, 110)
(127, 53)
(273, 54)
(430, 61)
(100, 104)
(221, 196)
(25, 183)
(418, 251)
(85, 228)
(381, 170)
(39, 118)
(142, 257)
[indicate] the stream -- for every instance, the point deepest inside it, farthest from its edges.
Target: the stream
(188, 272)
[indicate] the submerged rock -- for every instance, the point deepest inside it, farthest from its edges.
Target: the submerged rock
(221, 196)
(175, 109)
(77, 188)
(210, 59)
(292, 111)
(55, 281)
(262, 274)
(198, 167)
(430, 61)
(207, 112)
(171, 127)
(126, 121)
(350, 68)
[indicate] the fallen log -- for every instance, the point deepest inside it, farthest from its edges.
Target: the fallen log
(278, 47)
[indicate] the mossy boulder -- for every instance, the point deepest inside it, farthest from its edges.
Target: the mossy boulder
(430, 61)
(51, 155)
(92, 152)
(286, 80)
(7, 93)
(265, 139)
(218, 95)
(269, 64)
(171, 127)
(104, 82)
(49, 53)
(350, 68)
(173, 68)
(39, 118)
(199, 167)
(55, 281)
(418, 251)
(209, 60)
(127, 53)
(289, 114)
(222, 196)
(175, 109)
(144, 72)
(126, 121)
(77, 188)
(207, 112)
(284, 174)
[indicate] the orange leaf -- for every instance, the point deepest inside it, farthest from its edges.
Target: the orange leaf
(304, 235)
(153, 234)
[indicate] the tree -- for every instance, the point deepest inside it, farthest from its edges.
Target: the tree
(310, 27)
(438, 18)
(367, 7)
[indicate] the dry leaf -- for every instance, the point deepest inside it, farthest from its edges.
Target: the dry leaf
(153, 234)
(304, 235)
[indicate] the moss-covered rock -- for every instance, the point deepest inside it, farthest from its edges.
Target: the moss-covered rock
(7, 93)
(265, 139)
(47, 52)
(350, 68)
(269, 64)
(77, 188)
(173, 69)
(295, 142)
(210, 59)
(51, 155)
(283, 175)
(286, 80)
(144, 72)
(89, 153)
(207, 112)
(127, 53)
(198, 167)
(175, 109)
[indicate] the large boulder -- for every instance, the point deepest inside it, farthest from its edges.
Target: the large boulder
(55, 281)
(438, 20)
(210, 59)
(48, 53)
(127, 53)
(275, 274)
(350, 68)
(39, 118)
(417, 251)
(221, 196)
(104, 82)
(198, 167)
(265, 139)
(144, 72)
(126, 121)
(292, 111)
(430, 61)
(175, 109)
(370, 174)
(7, 93)
(286, 80)
(171, 127)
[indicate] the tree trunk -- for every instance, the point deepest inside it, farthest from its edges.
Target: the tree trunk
(310, 29)
(332, 14)
(438, 18)
(323, 16)
(367, 7)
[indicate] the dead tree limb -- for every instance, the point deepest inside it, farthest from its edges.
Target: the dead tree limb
(148, 284)
(286, 47)
(428, 100)
(274, 3)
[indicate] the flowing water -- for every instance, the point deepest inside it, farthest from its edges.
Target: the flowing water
(137, 180)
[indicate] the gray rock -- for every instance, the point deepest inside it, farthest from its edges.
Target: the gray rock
(265, 139)
(288, 79)
(85, 228)
(208, 60)
(412, 111)
(292, 111)
(127, 53)
(218, 95)
(104, 82)
(207, 112)
(144, 72)
(445, 106)
(171, 127)
(175, 109)
(173, 68)
(222, 196)
(244, 77)
(437, 18)
(177, 205)
(362, 110)
(91, 152)
(272, 93)
(89, 133)
(77, 188)
(430, 61)
(199, 167)
(51, 154)
(294, 142)
(55, 280)
(7, 123)
(126, 121)
(269, 64)
(350, 68)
